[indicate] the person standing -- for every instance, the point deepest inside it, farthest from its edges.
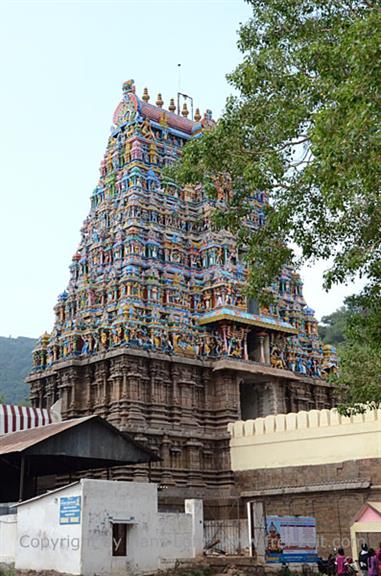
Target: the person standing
(378, 554)
(363, 559)
(372, 563)
(341, 563)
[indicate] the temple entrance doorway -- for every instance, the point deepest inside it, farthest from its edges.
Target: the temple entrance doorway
(258, 346)
(252, 346)
(251, 400)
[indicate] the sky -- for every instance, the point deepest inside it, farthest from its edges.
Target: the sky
(63, 65)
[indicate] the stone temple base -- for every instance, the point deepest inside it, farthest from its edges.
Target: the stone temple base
(180, 407)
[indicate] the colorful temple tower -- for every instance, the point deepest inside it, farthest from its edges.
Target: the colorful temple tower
(154, 331)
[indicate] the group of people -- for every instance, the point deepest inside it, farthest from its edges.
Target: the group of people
(370, 560)
(369, 563)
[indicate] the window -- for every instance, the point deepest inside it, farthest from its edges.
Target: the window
(119, 539)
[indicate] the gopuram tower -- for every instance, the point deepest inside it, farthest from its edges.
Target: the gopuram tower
(154, 332)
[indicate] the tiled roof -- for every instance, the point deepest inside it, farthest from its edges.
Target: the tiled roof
(174, 120)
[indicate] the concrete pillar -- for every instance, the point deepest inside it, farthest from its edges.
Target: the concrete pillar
(257, 532)
(196, 509)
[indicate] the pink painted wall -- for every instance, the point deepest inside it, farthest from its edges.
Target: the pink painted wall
(370, 515)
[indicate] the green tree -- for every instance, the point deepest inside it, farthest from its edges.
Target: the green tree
(332, 327)
(359, 381)
(305, 128)
(15, 364)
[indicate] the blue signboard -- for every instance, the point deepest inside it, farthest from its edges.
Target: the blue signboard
(70, 510)
(290, 539)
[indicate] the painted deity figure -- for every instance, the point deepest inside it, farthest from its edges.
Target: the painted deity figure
(291, 361)
(146, 129)
(207, 298)
(152, 153)
(127, 152)
(300, 367)
(104, 339)
(136, 151)
(276, 358)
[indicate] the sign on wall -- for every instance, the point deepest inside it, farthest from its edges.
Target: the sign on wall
(290, 539)
(70, 510)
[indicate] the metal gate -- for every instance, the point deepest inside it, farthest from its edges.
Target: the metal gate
(228, 536)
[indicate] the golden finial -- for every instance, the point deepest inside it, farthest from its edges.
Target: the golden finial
(172, 106)
(45, 339)
(185, 110)
(197, 116)
(145, 96)
(159, 101)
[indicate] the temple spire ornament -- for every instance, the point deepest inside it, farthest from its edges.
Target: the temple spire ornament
(172, 105)
(159, 101)
(185, 111)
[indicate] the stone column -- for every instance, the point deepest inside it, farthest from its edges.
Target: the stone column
(166, 475)
(175, 400)
(261, 341)
(135, 382)
(193, 452)
(101, 400)
(116, 385)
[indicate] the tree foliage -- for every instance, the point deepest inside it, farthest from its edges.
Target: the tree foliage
(359, 380)
(15, 363)
(305, 128)
(332, 328)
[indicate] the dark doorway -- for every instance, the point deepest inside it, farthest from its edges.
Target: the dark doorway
(250, 401)
(252, 346)
(252, 306)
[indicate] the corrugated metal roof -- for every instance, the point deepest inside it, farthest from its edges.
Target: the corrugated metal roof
(20, 441)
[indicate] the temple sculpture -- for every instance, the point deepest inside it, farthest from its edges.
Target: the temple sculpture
(154, 331)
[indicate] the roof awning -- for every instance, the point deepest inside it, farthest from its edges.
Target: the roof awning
(64, 448)
(14, 418)
(242, 317)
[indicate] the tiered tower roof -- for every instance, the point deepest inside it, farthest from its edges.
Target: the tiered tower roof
(151, 274)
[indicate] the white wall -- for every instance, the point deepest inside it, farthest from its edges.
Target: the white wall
(153, 540)
(104, 500)
(175, 537)
(8, 538)
(44, 544)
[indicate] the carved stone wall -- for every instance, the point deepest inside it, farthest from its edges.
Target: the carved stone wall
(179, 407)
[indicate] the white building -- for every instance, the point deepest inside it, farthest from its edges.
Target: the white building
(102, 527)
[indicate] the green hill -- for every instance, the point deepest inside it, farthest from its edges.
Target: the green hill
(15, 363)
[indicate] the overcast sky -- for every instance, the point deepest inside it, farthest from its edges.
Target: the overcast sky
(63, 64)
